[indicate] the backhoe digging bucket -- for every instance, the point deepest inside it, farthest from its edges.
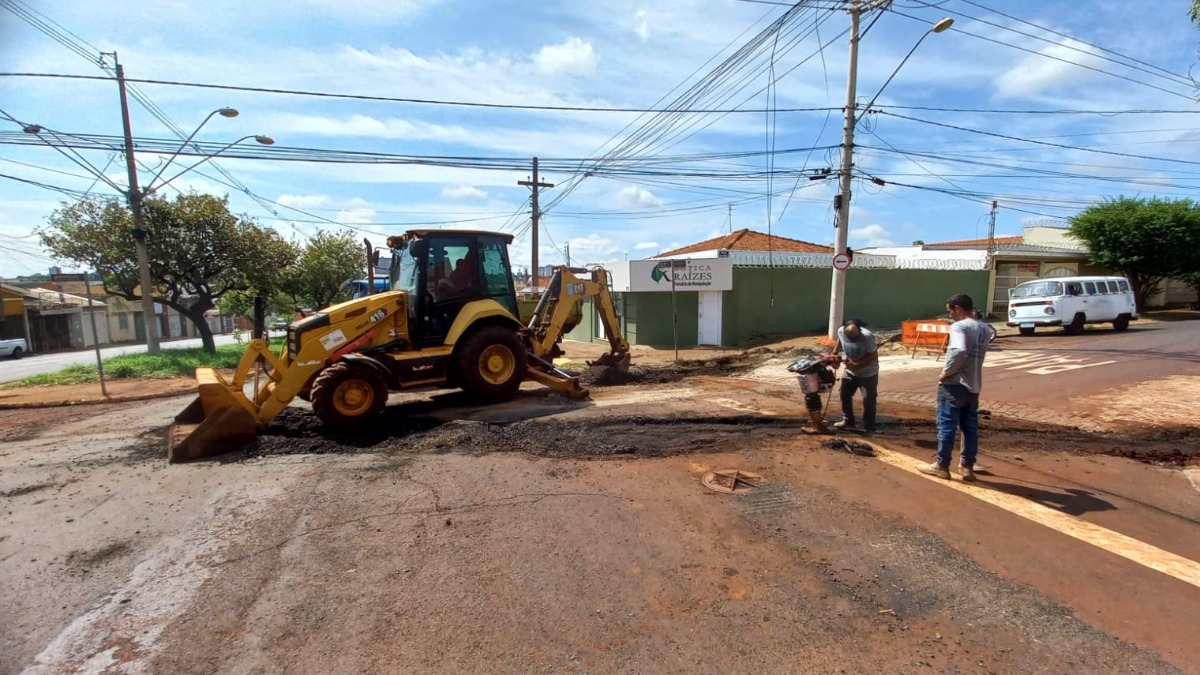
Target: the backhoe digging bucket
(618, 362)
(215, 423)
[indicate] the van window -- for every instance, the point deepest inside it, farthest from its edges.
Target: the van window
(1124, 286)
(1112, 287)
(1038, 289)
(1101, 288)
(1089, 287)
(1075, 288)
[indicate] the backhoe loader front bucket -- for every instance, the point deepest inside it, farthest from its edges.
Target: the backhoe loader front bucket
(218, 421)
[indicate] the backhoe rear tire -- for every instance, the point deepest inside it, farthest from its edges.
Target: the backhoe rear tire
(346, 394)
(491, 364)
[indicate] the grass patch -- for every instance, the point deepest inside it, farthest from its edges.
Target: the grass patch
(170, 363)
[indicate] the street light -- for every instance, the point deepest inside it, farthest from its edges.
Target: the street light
(837, 291)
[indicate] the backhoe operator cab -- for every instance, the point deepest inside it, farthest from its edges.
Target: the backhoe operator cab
(445, 272)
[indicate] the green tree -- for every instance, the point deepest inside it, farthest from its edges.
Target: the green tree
(1146, 240)
(1195, 12)
(198, 251)
(328, 261)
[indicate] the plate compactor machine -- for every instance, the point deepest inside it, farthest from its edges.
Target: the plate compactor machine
(450, 320)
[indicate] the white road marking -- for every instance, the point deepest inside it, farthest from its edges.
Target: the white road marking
(1193, 476)
(1038, 364)
(1183, 569)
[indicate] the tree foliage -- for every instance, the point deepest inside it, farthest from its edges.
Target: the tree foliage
(1146, 240)
(328, 261)
(198, 251)
(1195, 12)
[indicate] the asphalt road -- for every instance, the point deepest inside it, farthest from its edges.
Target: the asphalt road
(1056, 371)
(36, 364)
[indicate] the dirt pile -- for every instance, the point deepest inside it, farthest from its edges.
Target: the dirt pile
(730, 365)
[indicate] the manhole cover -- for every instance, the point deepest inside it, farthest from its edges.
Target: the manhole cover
(731, 481)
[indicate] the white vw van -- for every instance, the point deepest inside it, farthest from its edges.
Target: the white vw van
(1071, 302)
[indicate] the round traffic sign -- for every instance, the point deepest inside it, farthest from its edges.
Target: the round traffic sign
(841, 261)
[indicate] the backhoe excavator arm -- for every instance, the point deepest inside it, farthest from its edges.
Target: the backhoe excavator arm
(547, 325)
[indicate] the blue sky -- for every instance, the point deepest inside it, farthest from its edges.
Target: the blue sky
(709, 175)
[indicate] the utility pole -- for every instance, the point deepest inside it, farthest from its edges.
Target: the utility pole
(535, 186)
(567, 252)
(139, 225)
(991, 249)
(841, 202)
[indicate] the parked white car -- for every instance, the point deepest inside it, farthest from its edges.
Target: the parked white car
(1071, 302)
(15, 348)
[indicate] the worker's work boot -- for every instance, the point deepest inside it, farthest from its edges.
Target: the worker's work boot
(934, 469)
(817, 422)
(967, 473)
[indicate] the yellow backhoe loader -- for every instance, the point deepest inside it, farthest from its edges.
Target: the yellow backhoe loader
(450, 320)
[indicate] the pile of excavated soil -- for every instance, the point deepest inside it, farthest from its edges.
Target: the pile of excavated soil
(721, 366)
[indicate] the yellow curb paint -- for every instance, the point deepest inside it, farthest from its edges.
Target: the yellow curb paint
(1187, 571)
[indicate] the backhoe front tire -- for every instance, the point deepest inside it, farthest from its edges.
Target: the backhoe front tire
(491, 364)
(346, 394)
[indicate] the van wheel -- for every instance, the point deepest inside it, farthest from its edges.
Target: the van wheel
(1121, 323)
(1076, 325)
(1026, 331)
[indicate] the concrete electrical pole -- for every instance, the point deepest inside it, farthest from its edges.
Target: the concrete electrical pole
(535, 186)
(841, 202)
(149, 319)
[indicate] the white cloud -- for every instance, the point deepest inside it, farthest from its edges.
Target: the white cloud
(871, 235)
(359, 215)
(1038, 72)
(594, 249)
(642, 21)
(647, 246)
(304, 201)
(373, 11)
(463, 192)
(573, 57)
(634, 197)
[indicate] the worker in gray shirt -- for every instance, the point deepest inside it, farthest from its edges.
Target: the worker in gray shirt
(862, 372)
(958, 389)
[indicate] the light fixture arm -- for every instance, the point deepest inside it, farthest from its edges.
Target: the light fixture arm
(224, 112)
(264, 140)
(935, 28)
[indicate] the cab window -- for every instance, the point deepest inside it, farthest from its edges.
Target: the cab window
(1074, 289)
(498, 283)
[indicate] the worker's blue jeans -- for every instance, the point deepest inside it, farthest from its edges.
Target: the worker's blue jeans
(870, 388)
(957, 408)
